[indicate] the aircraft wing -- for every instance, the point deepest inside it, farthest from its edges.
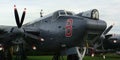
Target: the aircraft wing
(5, 29)
(4, 32)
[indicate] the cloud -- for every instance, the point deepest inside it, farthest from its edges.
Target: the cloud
(109, 10)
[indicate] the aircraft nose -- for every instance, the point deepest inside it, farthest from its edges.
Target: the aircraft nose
(96, 26)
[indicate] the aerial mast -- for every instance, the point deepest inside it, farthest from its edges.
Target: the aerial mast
(41, 13)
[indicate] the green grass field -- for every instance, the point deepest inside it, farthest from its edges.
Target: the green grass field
(108, 57)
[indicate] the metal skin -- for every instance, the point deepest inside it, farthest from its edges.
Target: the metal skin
(52, 35)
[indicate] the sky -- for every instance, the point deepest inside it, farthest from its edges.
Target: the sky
(109, 10)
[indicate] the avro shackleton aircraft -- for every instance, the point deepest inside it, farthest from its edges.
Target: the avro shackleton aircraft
(61, 33)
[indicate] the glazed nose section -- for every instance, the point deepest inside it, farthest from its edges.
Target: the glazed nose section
(96, 26)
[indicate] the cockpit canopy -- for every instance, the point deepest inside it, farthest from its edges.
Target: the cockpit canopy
(62, 13)
(92, 14)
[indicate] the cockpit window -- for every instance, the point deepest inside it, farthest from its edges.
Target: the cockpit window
(69, 13)
(61, 13)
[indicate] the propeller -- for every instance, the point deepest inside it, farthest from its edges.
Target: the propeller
(16, 34)
(108, 29)
(18, 22)
(20, 32)
(103, 37)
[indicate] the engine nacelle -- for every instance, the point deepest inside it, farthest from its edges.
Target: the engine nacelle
(92, 14)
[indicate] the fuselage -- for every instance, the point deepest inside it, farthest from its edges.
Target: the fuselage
(59, 35)
(54, 32)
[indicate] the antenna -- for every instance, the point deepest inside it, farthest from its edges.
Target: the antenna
(41, 13)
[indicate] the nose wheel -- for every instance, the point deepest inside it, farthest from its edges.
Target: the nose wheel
(79, 56)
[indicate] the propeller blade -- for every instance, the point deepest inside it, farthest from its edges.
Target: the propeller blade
(16, 17)
(23, 16)
(107, 30)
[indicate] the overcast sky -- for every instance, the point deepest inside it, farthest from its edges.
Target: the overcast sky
(109, 10)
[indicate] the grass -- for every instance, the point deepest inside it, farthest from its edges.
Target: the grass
(109, 56)
(98, 57)
(39, 58)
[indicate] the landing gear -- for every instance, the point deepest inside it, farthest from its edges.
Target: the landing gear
(20, 54)
(104, 56)
(57, 57)
(79, 56)
(73, 57)
(7, 54)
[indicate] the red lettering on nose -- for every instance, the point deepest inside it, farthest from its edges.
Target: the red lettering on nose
(68, 28)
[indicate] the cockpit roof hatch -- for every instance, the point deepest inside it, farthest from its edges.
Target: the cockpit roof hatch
(62, 13)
